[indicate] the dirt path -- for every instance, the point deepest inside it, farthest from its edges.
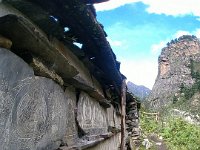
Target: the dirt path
(159, 143)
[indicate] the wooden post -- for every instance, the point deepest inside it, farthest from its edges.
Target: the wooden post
(123, 109)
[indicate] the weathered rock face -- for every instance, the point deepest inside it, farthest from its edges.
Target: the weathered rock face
(174, 69)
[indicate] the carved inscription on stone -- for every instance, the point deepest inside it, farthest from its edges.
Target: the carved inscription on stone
(91, 116)
(113, 119)
(72, 134)
(32, 109)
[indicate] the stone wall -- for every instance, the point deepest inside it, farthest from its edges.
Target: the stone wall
(36, 113)
(49, 99)
(132, 122)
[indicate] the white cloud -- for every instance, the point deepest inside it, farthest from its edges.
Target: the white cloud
(112, 4)
(180, 33)
(167, 7)
(198, 19)
(115, 43)
(144, 72)
(197, 33)
(141, 72)
(173, 7)
(156, 48)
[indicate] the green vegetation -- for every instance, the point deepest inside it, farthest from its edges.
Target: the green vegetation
(195, 73)
(176, 133)
(187, 37)
(195, 69)
(185, 105)
(190, 91)
(186, 93)
(175, 99)
(184, 99)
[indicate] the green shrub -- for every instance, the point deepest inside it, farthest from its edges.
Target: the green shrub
(181, 135)
(177, 133)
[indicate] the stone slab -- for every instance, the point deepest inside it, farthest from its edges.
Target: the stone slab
(72, 133)
(92, 116)
(113, 119)
(33, 110)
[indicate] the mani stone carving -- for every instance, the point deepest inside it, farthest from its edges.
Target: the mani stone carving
(72, 133)
(92, 117)
(114, 120)
(33, 110)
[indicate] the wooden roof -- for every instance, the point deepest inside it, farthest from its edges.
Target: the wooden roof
(94, 1)
(79, 18)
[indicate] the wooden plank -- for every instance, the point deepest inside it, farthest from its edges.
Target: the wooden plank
(54, 54)
(123, 117)
(94, 1)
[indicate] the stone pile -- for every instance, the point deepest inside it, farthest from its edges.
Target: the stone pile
(132, 121)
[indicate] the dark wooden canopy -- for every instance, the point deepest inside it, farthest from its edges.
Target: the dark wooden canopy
(94, 1)
(75, 21)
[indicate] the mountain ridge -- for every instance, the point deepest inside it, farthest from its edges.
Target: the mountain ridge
(138, 90)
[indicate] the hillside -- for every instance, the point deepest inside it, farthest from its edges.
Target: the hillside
(175, 98)
(178, 80)
(138, 90)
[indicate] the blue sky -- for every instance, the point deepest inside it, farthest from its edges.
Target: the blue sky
(138, 30)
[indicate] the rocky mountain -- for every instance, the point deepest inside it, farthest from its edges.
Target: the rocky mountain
(178, 76)
(138, 90)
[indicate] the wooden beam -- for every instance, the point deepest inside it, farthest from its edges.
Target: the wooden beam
(123, 117)
(82, 22)
(54, 55)
(94, 1)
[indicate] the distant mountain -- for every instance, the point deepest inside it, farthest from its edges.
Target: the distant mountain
(138, 90)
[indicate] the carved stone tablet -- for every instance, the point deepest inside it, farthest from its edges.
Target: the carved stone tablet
(92, 116)
(32, 109)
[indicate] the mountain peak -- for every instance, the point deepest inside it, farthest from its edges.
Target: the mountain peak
(174, 69)
(138, 90)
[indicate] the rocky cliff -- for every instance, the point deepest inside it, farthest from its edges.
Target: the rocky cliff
(178, 72)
